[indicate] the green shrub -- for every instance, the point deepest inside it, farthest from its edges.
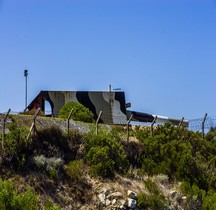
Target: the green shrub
(154, 200)
(15, 146)
(142, 201)
(11, 199)
(75, 169)
(209, 201)
(180, 154)
(198, 198)
(52, 173)
(15, 140)
(51, 206)
(152, 186)
(79, 113)
(211, 135)
(101, 161)
(105, 155)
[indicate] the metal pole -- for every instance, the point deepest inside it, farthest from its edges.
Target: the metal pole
(128, 126)
(26, 75)
(153, 122)
(98, 121)
(203, 125)
(3, 131)
(68, 120)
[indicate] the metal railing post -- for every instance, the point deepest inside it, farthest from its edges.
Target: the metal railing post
(128, 127)
(153, 122)
(203, 125)
(98, 121)
(3, 130)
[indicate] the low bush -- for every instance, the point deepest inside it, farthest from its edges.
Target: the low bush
(11, 199)
(154, 200)
(15, 146)
(180, 154)
(79, 113)
(75, 169)
(51, 206)
(209, 201)
(105, 155)
(50, 165)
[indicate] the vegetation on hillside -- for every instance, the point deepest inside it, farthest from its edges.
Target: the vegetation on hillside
(79, 112)
(182, 155)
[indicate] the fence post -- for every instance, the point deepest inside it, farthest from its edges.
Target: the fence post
(98, 121)
(128, 126)
(33, 123)
(203, 125)
(3, 130)
(153, 122)
(180, 124)
(68, 120)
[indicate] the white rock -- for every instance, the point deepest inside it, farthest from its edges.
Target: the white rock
(184, 198)
(102, 198)
(121, 207)
(114, 202)
(132, 203)
(132, 194)
(106, 192)
(107, 202)
(173, 194)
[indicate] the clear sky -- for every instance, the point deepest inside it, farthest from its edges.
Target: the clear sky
(162, 53)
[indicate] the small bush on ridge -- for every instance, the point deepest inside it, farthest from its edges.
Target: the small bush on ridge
(74, 169)
(79, 113)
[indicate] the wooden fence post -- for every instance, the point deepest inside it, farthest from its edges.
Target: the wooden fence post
(3, 130)
(128, 127)
(203, 125)
(68, 120)
(153, 122)
(180, 124)
(98, 121)
(32, 128)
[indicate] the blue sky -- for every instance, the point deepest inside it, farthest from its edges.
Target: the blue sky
(162, 53)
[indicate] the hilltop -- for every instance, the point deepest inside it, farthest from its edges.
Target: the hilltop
(57, 169)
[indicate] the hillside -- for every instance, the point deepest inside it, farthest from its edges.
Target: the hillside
(57, 169)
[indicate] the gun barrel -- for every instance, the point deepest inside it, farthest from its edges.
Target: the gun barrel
(144, 117)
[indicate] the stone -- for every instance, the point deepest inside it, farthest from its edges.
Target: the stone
(132, 194)
(107, 202)
(132, 203)
(102, 198)
(114, 202)
(106, 192)
(184, 198)
(173, 194)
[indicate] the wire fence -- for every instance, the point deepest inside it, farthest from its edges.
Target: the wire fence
(203, 124)
(194, 124)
